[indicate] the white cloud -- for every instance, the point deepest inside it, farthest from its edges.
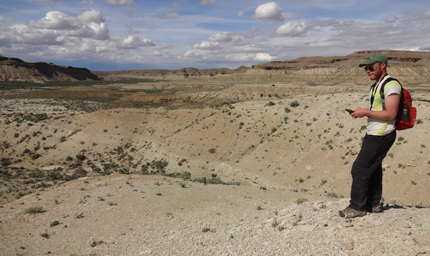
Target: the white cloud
(220, 37)
(87, 2)
(5, 35)
(427, 13)
(240, 57)
(292, 29)
(207, 45)
(55, 20)
(391, 19)
(147, 42)
(272, 12)
(91, 16)
(89, 24)
(226, 37)
(192, 53)
(133, 42)
(424, 48)
(1, 17)
(20, 34)
(161, 53)
(205, 2)
(86, 47)
(241, 13)
(94, 31)
(172, 15)
(123, 2)
(46, 1)
(263, 57)
(269, 11)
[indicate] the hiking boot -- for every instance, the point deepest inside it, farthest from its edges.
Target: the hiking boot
(377, 209)
(351, 213)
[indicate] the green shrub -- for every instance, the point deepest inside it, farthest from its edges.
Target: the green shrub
(216, 180)
(183, 175)
(55, 223)
(332, 195)
(55, 174)
(294, 104)
(299, 201)
(45, 234)
(34, 210)
(35, 156)
(81, 157)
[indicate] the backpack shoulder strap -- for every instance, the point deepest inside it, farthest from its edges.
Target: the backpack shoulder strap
(374, 89)
(381, 91)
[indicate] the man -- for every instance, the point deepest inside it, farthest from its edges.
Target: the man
(366, 189)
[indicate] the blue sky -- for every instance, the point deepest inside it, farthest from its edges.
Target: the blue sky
(149, 34)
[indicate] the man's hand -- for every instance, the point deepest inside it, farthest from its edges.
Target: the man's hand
(359, 113)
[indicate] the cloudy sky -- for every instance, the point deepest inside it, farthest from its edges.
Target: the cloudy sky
(147, 34)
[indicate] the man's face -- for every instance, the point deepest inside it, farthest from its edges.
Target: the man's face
(375, 70)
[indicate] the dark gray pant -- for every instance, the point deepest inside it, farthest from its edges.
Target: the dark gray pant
(366, 171)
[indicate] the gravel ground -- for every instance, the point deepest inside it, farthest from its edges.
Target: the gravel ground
(155, 215)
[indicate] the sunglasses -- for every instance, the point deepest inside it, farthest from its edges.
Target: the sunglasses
(370, 68)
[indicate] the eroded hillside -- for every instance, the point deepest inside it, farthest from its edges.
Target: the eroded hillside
(296, 138)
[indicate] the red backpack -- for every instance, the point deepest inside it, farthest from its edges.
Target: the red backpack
(406, 114)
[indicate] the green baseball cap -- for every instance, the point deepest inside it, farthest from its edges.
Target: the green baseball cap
(373, 58)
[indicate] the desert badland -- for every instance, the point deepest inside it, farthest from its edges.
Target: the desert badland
(249, 161)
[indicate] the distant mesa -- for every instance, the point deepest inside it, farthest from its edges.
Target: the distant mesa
(408, 66)
(394, 57)
(176, 74)
(14, 69)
